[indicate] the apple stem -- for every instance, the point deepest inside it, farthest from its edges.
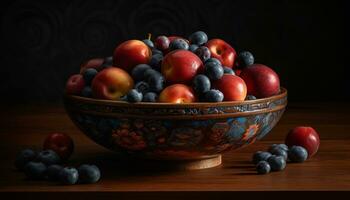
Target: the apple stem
(149, 36)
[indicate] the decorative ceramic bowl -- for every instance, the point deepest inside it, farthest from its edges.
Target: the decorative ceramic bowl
(167, 131)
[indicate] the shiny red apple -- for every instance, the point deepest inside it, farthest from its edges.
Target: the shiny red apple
(181, 66)
(177, 93)
(92, 63)
(222, 51)
(131, 53)
(233, 87)
(61, 143)
(261, 80)
(111, 84)
(304, 136)
(75, 84)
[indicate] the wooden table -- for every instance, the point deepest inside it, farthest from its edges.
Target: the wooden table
(26, 126)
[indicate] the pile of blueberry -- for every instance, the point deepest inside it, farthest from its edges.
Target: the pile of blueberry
(275, 159)
(46, 165)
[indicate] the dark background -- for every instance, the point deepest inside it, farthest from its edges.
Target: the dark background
(43, 42)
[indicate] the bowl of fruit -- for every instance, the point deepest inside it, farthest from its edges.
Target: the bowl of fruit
(175, 99)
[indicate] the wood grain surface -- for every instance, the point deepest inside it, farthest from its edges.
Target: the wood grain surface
(26, 126)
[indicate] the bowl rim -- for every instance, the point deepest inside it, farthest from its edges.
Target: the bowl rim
(283, 93)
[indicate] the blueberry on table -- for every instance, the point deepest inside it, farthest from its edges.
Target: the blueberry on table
(86, 92)
(297, 154)
(201, 84)
(178, 44)
(213, 70)
(53, 172)
(193, 47)
(214, 96)
(150, 97)
(228, 70)
(203, 53)
(108, 62)
(134, 96)
(263, 167)
(250, 97)
(68, 176)
(277, 163)
(149, 43)
(35, 170)
(24, 157)
(156, 82)
(156, 51)
(214, 60)
(88, 75)
(48, 157)
(156, 61)
(198, 38)
(260, 156)
(245, 58)
(89, 173)
(138, 72)
(280, 146)
(279, 152)
(142, 87)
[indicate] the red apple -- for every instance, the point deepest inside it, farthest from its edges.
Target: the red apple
(92, 63)
(75, 84)
(233, 87)
(131, 53)
(261, 80)
(61, 143)
(177, 93)
(304, 136)
(181, 66)
(222, 51)
(111, 83)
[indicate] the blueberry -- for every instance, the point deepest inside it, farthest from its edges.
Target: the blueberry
(156, 61)
(156, 51)
(48, 157)
(260, 156)
(108, 62)
(198, 38)
(142, 87)
(156, 82)
(88, 75)
(86, 92)
(281, 146)
(53, 172)
(250, 97)
(279, 152)
(193, 47)
(297, 154)
(150, 97)
(24, 157)
(263, 167)
(138, 72)
(228, 70)
(178, 44)
(134, 96)
(214, 60)
(35, 170)
(214, 96)
(213, 70)
(162, 42)
(149, 73)
(203, 53)
(149, 43)
(68, 176)
(201, 84)
(277, 163)
(245, 59)
(89, 173)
